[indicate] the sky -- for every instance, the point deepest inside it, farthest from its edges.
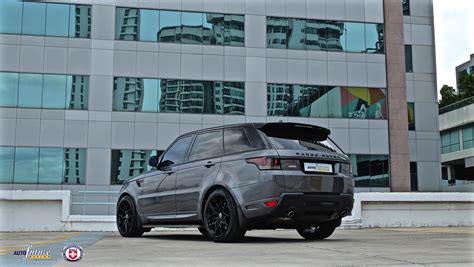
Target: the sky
(454, 37)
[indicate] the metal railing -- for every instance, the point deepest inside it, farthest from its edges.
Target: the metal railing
(456, 105)
(87, 194)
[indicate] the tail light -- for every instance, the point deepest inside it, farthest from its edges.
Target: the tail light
(346, 168)
(266, 163)
(270, 163)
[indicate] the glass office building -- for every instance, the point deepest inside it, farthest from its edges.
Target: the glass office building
(89, 92)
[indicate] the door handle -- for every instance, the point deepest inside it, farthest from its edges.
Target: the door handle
(169, 172)
(140, 182)
(209, 164)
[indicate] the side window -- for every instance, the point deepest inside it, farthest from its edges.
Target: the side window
(207, 145)
(177, 152)
(235, 140)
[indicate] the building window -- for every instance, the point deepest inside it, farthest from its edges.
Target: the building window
(326, 101)
(181, 96)
(411, 116)
(408, 59)
(406, 7)
(370, 170)
(166, 26)
(311, 34)
(468, 136)
(128, 163)
(45, 19)
(450, 141)
(33, 165)
(29, 90)
(413, 176)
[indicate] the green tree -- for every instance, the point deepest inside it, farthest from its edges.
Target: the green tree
(448, 96)
(466, 84)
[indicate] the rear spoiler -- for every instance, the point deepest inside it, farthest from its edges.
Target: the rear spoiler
(298, 131)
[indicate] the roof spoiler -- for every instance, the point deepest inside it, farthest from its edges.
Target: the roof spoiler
(297, 131)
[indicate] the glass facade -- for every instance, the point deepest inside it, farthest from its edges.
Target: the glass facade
(414, 176)
(33, 165)
(408, 59)
(45, 19)
(406, 7)
(468, 136)
(183, 96)
(411, 116)
(311, 34)
(450, 141)
(370, 170)
(29, 90)
(128, 163)
(166, 26)
(326, 101)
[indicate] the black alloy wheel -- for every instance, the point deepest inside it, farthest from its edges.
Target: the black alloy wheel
(128, 222)
(221, 220)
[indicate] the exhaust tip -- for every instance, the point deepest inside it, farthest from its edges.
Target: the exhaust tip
(291, 214)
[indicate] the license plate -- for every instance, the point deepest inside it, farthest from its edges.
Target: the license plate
(317, 167)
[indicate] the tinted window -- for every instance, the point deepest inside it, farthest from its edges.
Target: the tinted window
(170, 27)
(374, 38)
(74, 166)
(128, 163)
(80, 21)
(177, 152)
(290, 144)
(408, 59)
(54, 91)
(10, 16)
(57, 20)
(149, 25)
(207, 145)
(126, 24)
(30, 90)
(34, 18)
(8, 89)
(191, 28)
(184, 96)
(7, 160)
(235, 140)
(26, 165)
(355, 37)
(51, 166)
(411, 116)
(77, 92)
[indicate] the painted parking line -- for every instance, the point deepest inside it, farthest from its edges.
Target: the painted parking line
(54, 246)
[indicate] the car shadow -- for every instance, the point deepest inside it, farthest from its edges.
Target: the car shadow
(246, 239)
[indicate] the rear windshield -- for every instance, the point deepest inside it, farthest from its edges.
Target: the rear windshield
(291, 144)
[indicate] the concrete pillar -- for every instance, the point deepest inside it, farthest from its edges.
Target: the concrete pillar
(397, 99)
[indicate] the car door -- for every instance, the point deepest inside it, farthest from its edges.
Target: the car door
(201, 167)
(158, 189)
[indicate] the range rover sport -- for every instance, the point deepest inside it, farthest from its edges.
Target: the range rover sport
(231, 179)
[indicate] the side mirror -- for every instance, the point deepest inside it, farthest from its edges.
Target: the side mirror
(153, 161)
(164, 164)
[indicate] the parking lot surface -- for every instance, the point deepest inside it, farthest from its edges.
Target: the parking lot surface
(407, 246)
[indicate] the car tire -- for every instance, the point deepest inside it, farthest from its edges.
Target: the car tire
(318, 232)
(128, 222)
(202, 230)
(221, 221)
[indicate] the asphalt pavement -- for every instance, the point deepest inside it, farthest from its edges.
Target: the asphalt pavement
(376, 247)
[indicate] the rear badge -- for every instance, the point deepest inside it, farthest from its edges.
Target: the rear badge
(317, 167)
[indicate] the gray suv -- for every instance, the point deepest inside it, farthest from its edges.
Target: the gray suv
(231, 179)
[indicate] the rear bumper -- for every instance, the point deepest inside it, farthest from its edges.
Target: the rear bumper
(297, 209)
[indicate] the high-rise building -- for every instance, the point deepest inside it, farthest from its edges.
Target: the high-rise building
(120, 81)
